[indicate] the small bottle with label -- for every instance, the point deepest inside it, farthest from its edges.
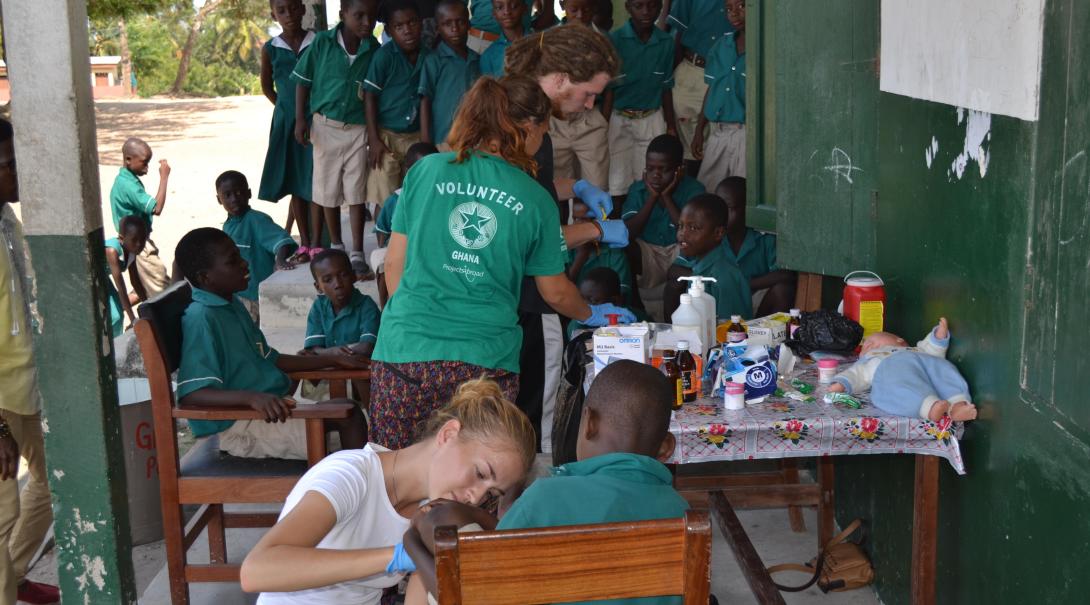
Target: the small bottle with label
(690, 374)
(795, 323)
(672, 371)
(736, 331)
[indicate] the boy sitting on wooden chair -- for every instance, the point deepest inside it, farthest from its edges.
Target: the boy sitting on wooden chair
(623, 438)
(227, 362)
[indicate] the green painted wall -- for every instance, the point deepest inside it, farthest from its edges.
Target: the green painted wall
(1007, 258)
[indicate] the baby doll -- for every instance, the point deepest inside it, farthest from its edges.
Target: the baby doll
(909, 381)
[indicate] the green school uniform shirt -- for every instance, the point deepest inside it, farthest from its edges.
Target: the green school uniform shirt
(223, 349)
(612, 258)
(129, 198)
(481, 17)
(258, 238)
(700, 23)
(356, 322)
(445, 78)
(396, 81)
(659, 230)
(731, 287)
(384, 222)
(604, 489)
(334, 77)
(757, 256)
(725, 74)
(493, 56)
(474, 230)
(117, 320)
(647, 68)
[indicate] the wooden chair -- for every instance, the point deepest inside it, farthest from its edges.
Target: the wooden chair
(576, 563)
(204, 476)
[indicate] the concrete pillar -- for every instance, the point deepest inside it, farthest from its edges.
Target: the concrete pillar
(316, 18)
(53, 115)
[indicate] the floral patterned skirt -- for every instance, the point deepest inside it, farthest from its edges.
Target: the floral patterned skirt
(403, 395)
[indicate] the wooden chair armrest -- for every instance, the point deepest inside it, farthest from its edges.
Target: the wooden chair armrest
(331, 375)
(316, 410)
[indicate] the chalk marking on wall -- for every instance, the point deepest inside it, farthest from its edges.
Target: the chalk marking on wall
(1069, 166)
(59, 474)
(978, 132)
(840, 164)
(931, 152)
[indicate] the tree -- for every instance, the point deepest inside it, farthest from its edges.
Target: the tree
(117, 11)
(187, 50)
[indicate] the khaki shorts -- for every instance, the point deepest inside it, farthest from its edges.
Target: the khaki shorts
(340, 162)
(628, 141)
(689, 89)
(153, 274)
(580, 147)
(384, 180)
(260, 439)
(724, 154)
(656, 260)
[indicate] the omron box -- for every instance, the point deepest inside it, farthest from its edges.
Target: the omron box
(620, 342)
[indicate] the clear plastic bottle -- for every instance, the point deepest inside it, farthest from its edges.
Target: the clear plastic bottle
(687, 317)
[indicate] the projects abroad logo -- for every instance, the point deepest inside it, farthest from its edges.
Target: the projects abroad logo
(472, 225)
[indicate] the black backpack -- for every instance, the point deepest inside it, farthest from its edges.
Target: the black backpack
(569, 398)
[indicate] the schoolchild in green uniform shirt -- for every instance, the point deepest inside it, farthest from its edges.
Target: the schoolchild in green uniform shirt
(642, 104)
(469, 225)
(289, 166)
(484, 26)
(447, 74)
(391, 99)
(385, 220)
(512, 16)
(226, 360)
(754, 252)
(724, 152)
(129, 198)
(121, 252)
(652, 210)
(700, 235)
(623, 440)
(341, 319)
(328, 78)
(602, 285)
(264, 244)
(588, 257)
(699, 23)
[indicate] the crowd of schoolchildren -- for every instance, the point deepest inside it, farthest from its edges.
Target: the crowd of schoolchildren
(350, 118)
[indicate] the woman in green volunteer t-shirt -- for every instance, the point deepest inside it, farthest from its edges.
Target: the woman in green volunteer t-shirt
(469, 225)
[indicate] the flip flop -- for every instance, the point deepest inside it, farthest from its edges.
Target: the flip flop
(302, 255)
(362, 270)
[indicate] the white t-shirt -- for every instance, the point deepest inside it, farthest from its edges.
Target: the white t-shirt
(353, 483)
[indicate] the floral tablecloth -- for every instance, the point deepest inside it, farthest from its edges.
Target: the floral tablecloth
(781, 427)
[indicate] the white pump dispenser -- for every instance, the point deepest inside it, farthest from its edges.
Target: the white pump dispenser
(704, 303)
(688, 317)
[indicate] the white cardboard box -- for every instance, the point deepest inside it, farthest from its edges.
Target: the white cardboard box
(620, 342)
(766, 331)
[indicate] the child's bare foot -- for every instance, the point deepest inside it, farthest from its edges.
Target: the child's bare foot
(958, 412)
(962, 411)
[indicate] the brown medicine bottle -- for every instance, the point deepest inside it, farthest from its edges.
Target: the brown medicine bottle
(672, 371)
(690, 379)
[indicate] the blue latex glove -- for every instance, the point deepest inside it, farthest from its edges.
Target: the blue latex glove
(598, 315)
(402, 562)
(614, 233)
(596, 200)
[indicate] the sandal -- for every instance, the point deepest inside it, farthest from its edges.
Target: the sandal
(362, 270)
(301, 255)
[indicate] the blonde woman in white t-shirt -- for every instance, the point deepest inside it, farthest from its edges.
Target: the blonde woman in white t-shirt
(338, 539)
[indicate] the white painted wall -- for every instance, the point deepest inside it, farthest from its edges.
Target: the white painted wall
(977, 54)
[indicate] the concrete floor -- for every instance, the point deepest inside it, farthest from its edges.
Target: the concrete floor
(768, 529)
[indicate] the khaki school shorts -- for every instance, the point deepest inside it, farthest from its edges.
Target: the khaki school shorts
(628, 141)
(656, 260)
(384, 180)
(340, 162)
(724, 154)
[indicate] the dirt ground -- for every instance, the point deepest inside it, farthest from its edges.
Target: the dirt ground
(200, 138)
